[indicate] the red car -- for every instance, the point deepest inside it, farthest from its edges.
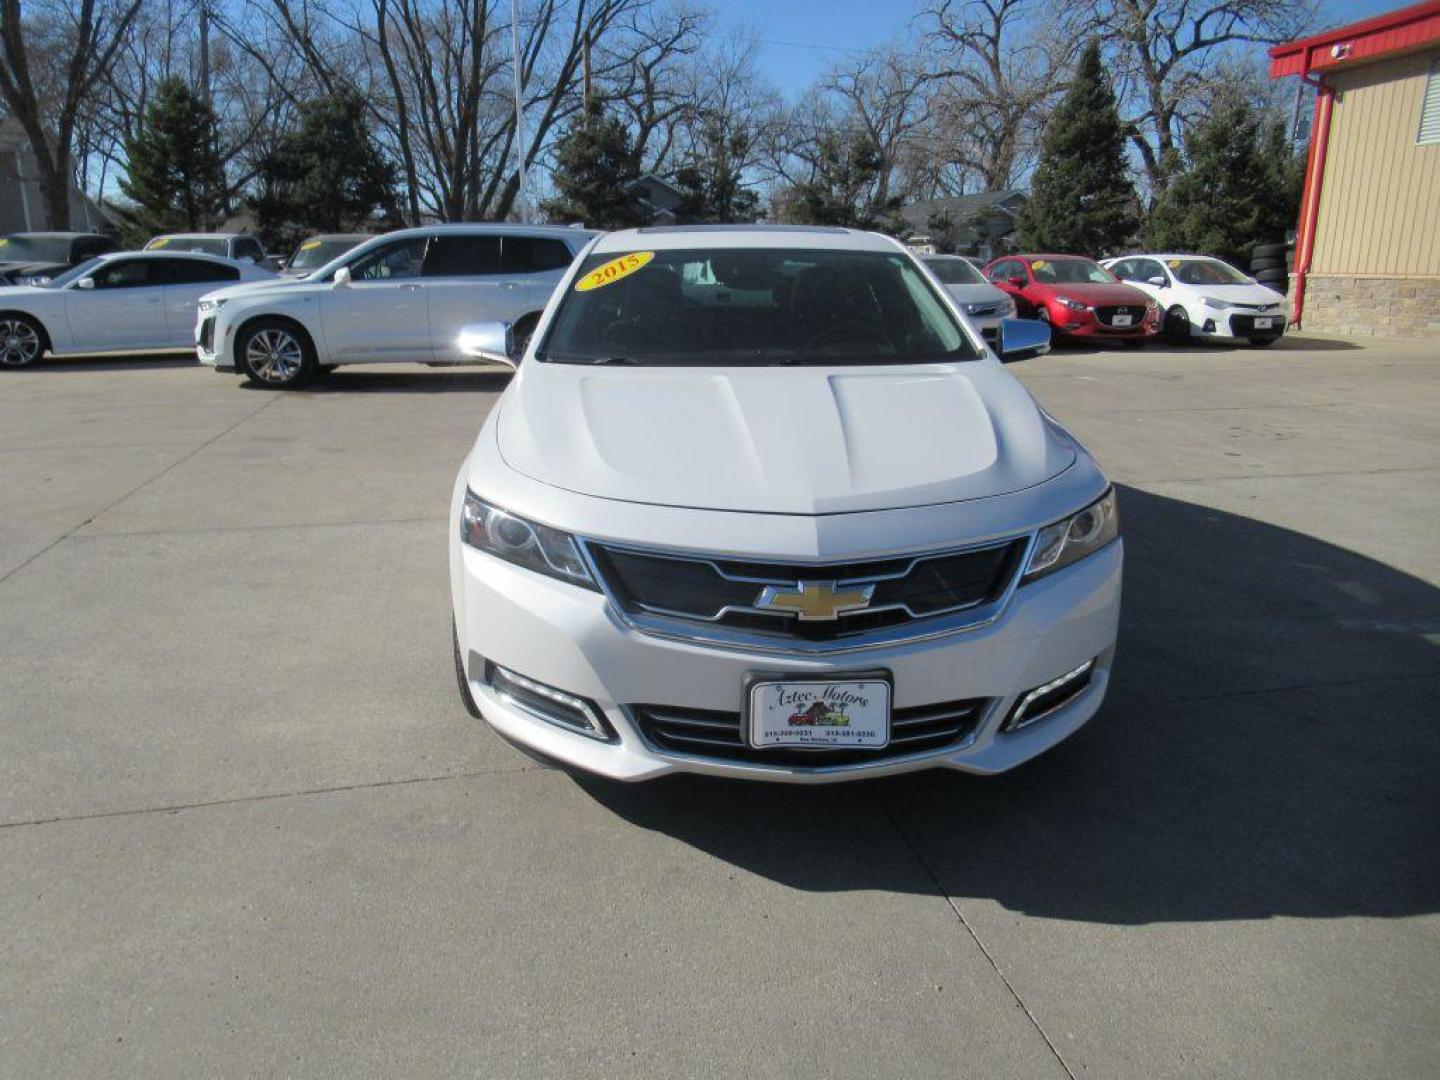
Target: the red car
(1077, 296)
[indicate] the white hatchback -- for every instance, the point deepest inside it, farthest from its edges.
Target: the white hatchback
(1201, 297)
(759, 502)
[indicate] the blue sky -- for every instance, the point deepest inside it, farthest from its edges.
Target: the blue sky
(801, 38)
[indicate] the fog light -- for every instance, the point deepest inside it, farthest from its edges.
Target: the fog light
(549, 704)
(1209, 326)
(1040, 702)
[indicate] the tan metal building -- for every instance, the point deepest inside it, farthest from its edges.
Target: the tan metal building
(1367, 249)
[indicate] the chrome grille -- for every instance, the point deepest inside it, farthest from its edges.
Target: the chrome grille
(726, 592)
(714, 734)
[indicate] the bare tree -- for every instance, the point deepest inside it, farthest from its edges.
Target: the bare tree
(1164, 54)
(996, 67)
(90, 33)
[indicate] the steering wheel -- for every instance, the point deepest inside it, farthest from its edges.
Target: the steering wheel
(852, 331)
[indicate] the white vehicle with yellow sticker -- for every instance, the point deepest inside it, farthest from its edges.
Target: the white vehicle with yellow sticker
(760, 502)
(398, 298)
(1201, 297)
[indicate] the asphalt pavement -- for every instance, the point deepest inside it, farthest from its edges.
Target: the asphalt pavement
(247, 829)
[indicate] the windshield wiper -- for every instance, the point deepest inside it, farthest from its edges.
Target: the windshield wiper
(571, 358)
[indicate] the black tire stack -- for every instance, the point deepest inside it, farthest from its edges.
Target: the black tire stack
(1270, 264)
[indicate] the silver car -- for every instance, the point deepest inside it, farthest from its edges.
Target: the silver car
(984, 303)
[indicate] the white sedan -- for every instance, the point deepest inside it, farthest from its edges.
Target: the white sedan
(1201, 297)
(761, 503)
(129, 302)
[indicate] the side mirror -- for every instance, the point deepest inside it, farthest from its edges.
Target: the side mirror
(1158, 282)
(488, 341)
(1020, 339)
(85, 283)
(342, 277)
(1016, 282)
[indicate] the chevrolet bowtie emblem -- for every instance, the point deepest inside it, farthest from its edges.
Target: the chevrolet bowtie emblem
(815, 601)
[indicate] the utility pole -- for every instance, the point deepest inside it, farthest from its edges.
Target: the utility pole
(523, 191)
(204, 6)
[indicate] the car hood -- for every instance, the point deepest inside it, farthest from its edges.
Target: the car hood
(1240, 294)
(262, 285)
(780, 440)
(1094, 293)
(29, 269)
(17, 291)
(977, 294)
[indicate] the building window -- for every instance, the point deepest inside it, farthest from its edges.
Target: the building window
(1430, 107)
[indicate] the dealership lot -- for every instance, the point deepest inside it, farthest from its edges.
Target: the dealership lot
(246, 827)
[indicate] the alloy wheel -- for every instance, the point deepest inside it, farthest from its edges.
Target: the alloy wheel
(274, 355)
(19, 343)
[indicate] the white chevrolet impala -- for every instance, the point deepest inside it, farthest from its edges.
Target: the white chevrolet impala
(760, 502)
(129, 302)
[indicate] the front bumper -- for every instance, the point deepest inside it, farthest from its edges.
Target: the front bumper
(1084, 324)
(572, 639)
(209, 350)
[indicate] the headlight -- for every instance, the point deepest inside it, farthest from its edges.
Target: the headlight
(1073, 538)
(1009, 309)
(525, 543)
(34, 279)
(1218, 305)
(208, 307)
(1073, 305)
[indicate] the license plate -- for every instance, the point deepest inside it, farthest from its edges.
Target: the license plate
(1263, 324)
(1120, 320)
(828, 712)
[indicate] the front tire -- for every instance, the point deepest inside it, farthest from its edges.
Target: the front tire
(276, 354)
(466, 697)
(22, 341)
(1177, 324)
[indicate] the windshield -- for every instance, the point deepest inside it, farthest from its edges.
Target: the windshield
(748, 306)
(1206, 272)
(955, 271)
(205, 245)
(1071, 272)
(73, 274)
(42, 249)
(313, 254)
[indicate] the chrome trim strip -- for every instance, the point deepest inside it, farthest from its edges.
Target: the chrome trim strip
(695, 631)
(596, 729)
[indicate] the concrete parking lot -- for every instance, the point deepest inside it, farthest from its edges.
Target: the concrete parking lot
(247, 829)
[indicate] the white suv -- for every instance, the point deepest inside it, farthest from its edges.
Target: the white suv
(401, 297)
(760, 502)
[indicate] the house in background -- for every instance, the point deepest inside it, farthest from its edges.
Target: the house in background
(982, 225)
(660, 197)
(22, 209)
(1367, 247)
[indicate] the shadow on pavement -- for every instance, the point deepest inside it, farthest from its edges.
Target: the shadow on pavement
(1270, 747)
(423, 381)
(56, 365)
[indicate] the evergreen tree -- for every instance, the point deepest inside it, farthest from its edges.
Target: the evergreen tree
(1081, 198)
(1241, 188)
(712, 181)
(174, 174)
(841, 187)
(595, 168)
(328, 175)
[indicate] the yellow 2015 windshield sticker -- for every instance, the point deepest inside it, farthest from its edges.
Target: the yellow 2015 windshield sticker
(613, 271)
(1174, 264)
(309, 245)
(4, 242)
(1039, 264)
(156, 245)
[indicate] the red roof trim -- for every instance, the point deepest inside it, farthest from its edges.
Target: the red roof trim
(1394, 32)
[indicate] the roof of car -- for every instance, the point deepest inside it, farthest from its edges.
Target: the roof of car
(197, 236)
(322, 237)
(111, 256)
(743, 236)
(1042, 255)
(1162, 255)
